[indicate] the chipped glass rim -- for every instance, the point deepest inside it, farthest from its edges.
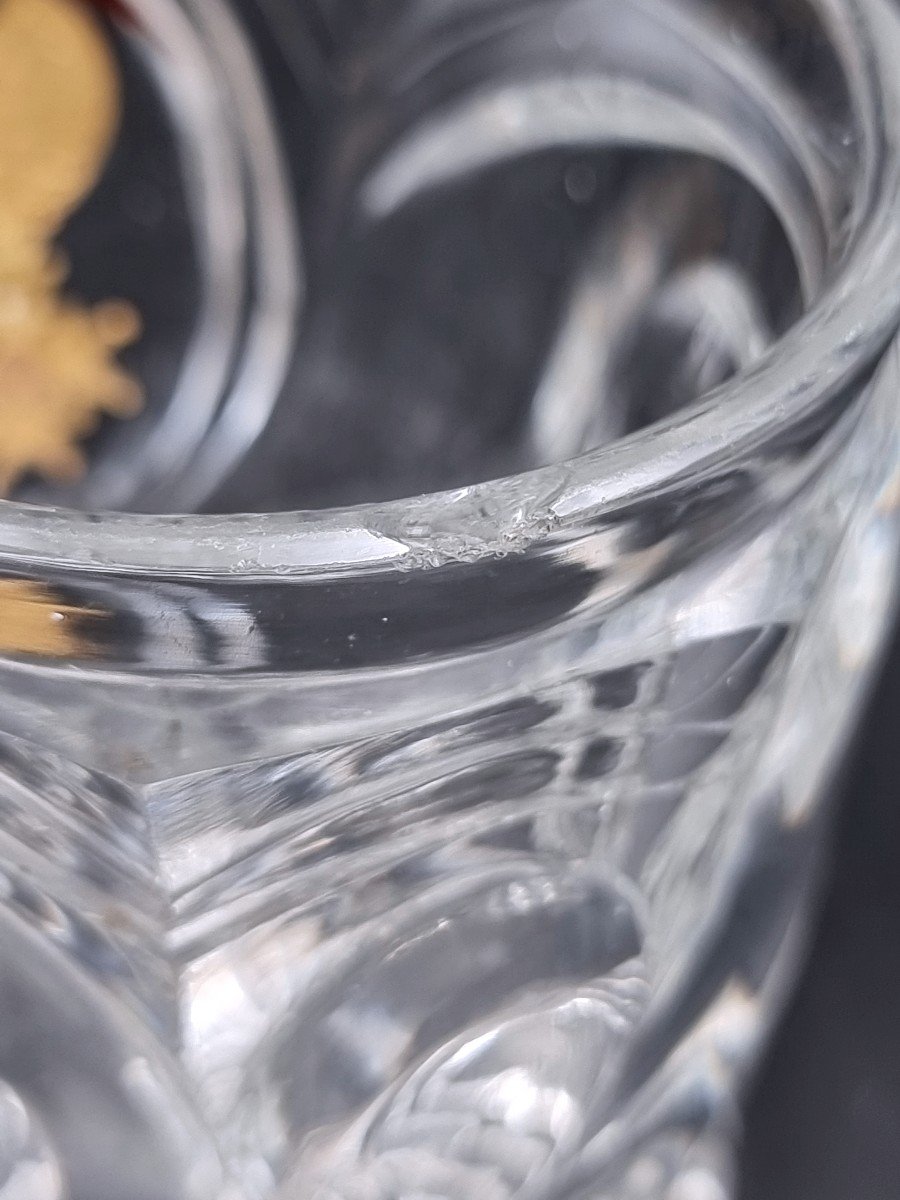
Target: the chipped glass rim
(831, 347)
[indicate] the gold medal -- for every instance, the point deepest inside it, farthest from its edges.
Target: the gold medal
(60, 102)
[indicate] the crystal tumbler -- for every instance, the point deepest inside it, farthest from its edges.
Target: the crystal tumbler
(433, 813)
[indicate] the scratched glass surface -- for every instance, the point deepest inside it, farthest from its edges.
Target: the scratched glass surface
(435, 811)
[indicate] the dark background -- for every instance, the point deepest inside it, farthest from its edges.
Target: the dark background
(824, 1118)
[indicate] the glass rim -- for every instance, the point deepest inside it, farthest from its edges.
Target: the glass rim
(832, 345)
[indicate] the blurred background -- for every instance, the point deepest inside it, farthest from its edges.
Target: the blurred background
(824, 1118)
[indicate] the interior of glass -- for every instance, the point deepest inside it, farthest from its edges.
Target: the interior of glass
(385, 251)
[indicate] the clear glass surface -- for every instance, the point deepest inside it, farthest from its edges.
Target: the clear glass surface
(448, 843)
